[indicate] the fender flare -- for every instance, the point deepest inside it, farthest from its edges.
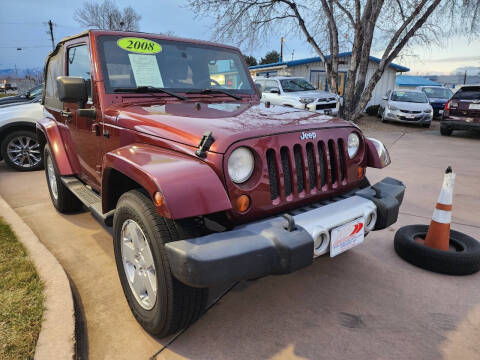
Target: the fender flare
(48, 132)
(189, 186)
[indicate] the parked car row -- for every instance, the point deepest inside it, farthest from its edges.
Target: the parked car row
(459, 111)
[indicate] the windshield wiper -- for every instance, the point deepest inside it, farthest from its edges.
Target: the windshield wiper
(148, 89)
(215, 91)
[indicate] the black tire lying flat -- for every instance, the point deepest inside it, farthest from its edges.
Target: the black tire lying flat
(63, 199)
(176, 305)
(464, 261)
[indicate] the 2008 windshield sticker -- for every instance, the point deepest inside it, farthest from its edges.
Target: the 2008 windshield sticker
(139, 45)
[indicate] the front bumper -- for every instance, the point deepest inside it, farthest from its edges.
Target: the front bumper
(403, 117)
(268, 247)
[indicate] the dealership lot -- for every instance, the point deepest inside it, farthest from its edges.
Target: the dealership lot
(364, 304)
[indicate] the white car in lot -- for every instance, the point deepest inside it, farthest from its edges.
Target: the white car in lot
(18, 140)
(407, 106)
(296, 92)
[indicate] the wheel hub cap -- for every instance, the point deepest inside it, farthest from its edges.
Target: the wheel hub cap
(138, 264)
(52, 179)
(24, 151)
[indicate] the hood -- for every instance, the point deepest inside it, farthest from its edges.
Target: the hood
(437, 100)
(410, 105)
(313, 94)
(229, 122)
(12, 110)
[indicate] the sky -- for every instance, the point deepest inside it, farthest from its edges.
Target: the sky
(25, 22)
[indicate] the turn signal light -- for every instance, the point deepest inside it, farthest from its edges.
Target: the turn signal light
(158, 198)
(447, 105)
(360, 172)
(243, 203)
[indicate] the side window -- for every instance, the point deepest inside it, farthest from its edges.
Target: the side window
(270, 84)
(79, 64)
(54, 69)
(262, 85)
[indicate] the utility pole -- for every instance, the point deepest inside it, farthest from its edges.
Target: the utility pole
(50, 25)
(282, 40)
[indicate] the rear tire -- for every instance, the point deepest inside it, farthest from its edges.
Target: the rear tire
(445, 131)
(161, 304)
(62, 198)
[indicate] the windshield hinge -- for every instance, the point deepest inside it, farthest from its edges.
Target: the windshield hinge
(205, 143)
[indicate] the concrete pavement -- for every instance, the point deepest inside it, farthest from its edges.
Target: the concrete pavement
(364, 304)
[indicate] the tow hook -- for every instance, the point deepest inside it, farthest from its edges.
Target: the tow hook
(291, 223)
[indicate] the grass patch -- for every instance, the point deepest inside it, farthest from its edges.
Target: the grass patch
(21, 299)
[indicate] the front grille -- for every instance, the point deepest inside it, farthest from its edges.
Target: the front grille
(326, 106)
(410, 111)
(306, 167)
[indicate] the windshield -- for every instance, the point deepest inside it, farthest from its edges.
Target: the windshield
(409, 96)
(437, 92)
(291, 85)
(129, 62)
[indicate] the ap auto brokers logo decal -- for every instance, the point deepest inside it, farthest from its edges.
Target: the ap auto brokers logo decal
(308, 135)
(357, 229)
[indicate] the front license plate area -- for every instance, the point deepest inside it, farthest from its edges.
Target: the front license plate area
(474, 107)
(346, 236)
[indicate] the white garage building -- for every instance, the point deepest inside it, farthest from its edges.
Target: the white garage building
(313, 70)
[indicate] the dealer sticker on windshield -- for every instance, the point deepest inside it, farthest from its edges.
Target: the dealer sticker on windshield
(139, 45)
(346, 236)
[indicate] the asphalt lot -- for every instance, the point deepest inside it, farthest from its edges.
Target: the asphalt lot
(364, 304)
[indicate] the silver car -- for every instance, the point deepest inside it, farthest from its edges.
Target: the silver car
(405, 106)
(297, 92)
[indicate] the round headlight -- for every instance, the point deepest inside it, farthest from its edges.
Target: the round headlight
(240, 165)
(353, 144)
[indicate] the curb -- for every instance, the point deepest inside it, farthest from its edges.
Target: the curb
(57, 334)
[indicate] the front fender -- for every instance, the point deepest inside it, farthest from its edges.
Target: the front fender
(189, 186)
(51, 133)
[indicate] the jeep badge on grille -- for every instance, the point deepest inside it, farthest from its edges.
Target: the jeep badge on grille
(309, 135)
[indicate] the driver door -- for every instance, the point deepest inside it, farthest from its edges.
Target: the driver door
(84, 131)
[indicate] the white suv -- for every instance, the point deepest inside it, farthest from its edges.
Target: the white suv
(18, 139)
(296, 92)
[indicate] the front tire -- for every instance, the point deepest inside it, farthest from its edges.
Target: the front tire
(159, 302)
(22, 151)
(62, 198)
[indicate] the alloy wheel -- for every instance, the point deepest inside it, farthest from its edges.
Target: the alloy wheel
(138, 264)
(24, 151)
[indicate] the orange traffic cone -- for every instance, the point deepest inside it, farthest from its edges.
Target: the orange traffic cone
(438, 235)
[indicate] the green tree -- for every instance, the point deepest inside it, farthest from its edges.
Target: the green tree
(250, 60)
(270, 58)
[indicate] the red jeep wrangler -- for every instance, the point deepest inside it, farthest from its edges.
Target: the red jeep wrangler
(166, 140)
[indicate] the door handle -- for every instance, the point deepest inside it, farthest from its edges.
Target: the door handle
(67, 115)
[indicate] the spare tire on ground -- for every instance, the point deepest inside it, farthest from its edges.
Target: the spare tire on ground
(464, 259)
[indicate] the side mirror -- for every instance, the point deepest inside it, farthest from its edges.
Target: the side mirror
(27, 94)
(259, 88)
(385, 98)
(275, 91)
(72, 89)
